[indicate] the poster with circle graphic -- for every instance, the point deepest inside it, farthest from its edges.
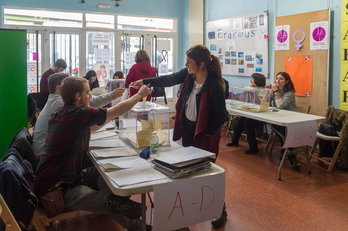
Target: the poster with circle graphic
(319, 37)
(282, 37)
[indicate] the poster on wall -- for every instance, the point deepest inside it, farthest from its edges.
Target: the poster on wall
(319, 39)
(282, 38)
(241, 43)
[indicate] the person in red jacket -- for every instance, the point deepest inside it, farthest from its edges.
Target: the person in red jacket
(141, 70)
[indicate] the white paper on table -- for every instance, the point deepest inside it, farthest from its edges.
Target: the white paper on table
(135, 175)
(113, 152)
(102, 134)
(126, 162)
(107, 143)
(182, 155)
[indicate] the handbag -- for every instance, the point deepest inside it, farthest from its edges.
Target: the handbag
(329, 129)
(53, 202)
(158, 92)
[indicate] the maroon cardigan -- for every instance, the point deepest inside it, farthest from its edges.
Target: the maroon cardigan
(204, 114)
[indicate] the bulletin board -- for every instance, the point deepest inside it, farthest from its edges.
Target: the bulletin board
(317, 95)
(241, 43)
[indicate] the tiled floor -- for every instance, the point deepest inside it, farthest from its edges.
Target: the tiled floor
(256, 200)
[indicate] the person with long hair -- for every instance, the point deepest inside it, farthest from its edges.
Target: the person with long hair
(141, 70)
(91, 76)
(248, 125)
(200, 108)
(283, 97)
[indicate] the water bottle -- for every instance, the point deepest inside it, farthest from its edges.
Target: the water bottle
(153, 143)
(120, 128)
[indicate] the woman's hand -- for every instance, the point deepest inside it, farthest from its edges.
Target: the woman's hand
(275, 87)
(137, 84)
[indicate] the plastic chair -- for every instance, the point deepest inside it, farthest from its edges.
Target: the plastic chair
(7, 217)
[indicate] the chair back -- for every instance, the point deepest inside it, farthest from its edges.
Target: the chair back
(7, 217)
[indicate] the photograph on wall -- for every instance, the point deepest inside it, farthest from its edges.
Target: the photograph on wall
(238, 42)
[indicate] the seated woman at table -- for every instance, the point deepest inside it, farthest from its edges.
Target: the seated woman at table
(246, 124)
(283, 97)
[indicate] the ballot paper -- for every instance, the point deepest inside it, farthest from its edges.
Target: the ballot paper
(113, 164)
(183, 156)
(137, 175)
(113, 152)
(107, 126)
(102, 134)
(107, 143)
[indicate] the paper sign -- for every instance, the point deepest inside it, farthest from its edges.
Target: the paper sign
(188, 202)
(300, 134)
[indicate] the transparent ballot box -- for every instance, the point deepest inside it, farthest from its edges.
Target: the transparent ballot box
(250, 98)
(112, 84)
(137, 125)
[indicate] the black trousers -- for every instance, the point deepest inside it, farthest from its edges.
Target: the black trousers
(248, 125)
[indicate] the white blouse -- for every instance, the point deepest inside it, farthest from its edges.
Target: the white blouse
(191, 105)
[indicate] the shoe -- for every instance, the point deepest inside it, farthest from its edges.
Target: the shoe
(231, 143)
(250, 151)
(124, 205)
(295, 164)
(218, 222)
(148, 228)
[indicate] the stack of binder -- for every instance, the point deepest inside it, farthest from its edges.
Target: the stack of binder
(182, 162)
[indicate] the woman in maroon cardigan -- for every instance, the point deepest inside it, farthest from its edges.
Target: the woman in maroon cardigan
(201, 108)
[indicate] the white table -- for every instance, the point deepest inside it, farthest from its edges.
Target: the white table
(279, 117)
(143, 188)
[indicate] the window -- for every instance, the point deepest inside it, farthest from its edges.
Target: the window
(42, 18)
(146, 24)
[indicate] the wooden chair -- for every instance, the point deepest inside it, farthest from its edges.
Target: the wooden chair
(326, 160)
(336, 117)
(40, 218)
(7, 217)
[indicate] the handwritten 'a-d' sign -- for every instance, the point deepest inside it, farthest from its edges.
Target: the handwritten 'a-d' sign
(300, 134)
(185, 202)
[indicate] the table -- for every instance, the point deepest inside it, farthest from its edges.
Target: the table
(279, 117)
(143, 188)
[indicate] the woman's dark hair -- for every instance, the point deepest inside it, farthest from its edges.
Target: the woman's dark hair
(119, 74)
(289, 86)
(259, 79)
(201, 54)
(90, 74)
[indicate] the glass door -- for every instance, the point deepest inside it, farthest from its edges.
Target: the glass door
(34, 47)
(65, 46)
(130, 44)
(100, 55)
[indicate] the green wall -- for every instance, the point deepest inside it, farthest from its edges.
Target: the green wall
(13, 85)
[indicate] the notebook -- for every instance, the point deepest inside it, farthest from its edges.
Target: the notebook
(178, 172)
